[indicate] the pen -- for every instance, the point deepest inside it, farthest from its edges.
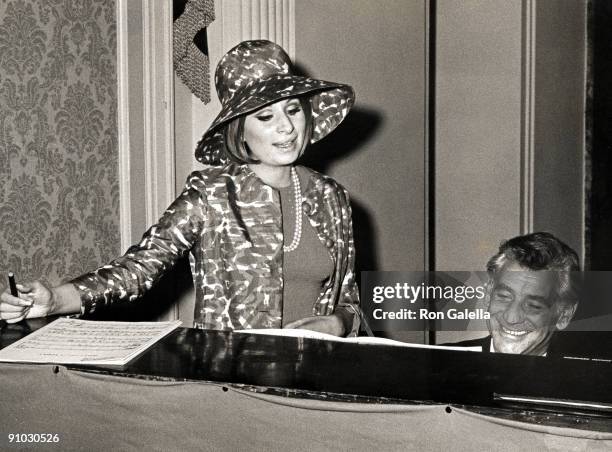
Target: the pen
(14, 291)
(12, 284)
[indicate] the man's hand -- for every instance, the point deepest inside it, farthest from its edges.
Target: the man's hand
(34, 300)
(329, 324)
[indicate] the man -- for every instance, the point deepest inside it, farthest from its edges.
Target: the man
(531, 294)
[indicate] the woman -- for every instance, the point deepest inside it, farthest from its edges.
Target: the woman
(270, 243)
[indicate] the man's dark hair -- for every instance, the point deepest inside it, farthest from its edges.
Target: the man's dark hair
(540, 251)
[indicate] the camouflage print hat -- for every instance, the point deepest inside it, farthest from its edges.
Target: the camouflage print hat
(257, 73)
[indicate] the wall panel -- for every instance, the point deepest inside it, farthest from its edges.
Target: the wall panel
(59, 190)
(379, 152)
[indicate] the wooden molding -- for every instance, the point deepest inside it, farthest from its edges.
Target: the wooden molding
(528, 62)
(123, 125)
(259, 19)
(158, 98)
(153, 141)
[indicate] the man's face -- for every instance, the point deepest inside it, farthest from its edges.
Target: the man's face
(524, 310)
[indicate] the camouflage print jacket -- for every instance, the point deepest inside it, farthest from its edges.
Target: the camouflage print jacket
(230, 223)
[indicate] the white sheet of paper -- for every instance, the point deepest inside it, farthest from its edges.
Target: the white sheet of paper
(74, 341)
(308, 334)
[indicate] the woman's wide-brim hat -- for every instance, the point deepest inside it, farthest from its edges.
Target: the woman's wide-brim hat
(257, 73)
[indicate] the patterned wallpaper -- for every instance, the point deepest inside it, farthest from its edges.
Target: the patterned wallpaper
(59, 193)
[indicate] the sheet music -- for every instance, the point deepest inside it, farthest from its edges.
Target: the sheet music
(74, 341)
(308, 334)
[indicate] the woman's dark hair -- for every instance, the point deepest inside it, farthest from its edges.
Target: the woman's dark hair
(237, 149)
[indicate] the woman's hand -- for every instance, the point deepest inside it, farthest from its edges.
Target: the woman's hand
(35, 300)
(329, 324)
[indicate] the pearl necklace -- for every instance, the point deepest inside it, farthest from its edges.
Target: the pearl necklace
(297, 232)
